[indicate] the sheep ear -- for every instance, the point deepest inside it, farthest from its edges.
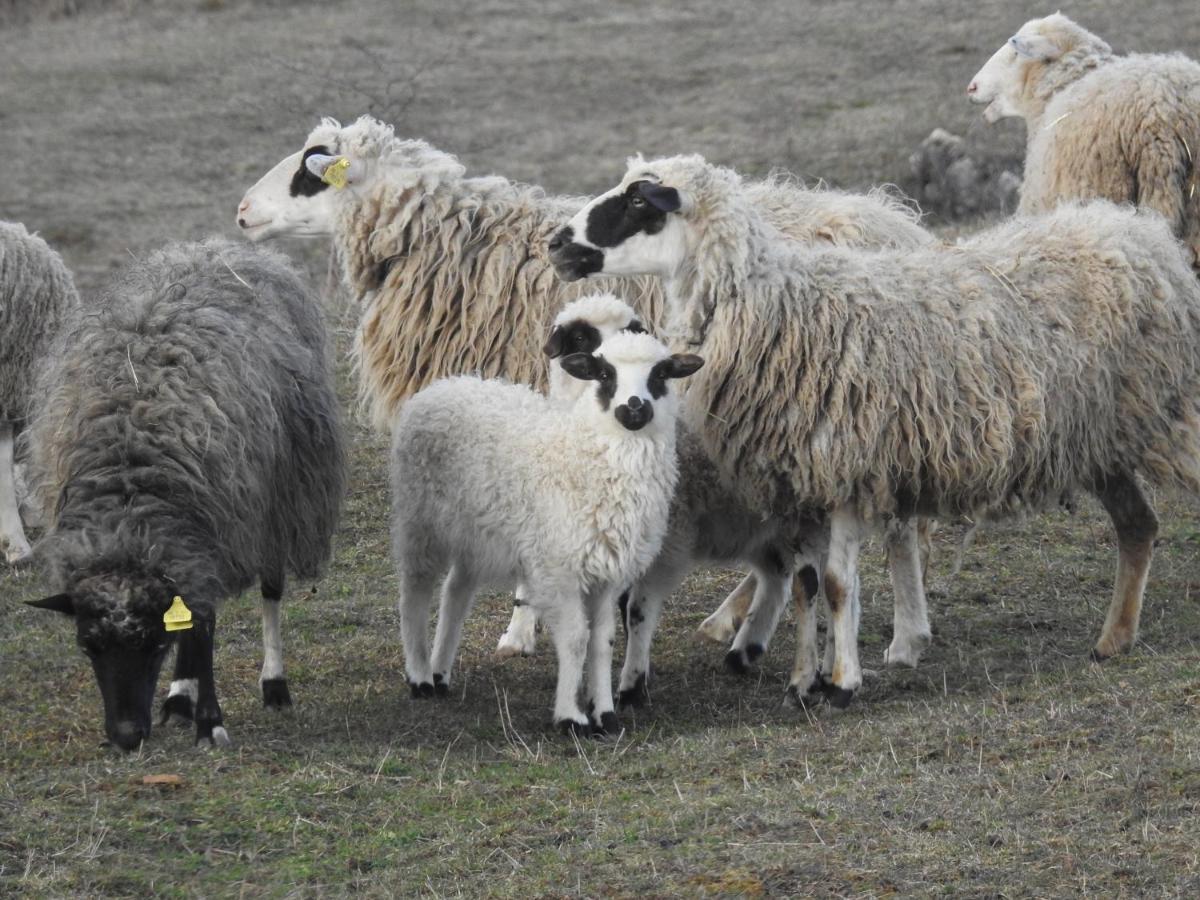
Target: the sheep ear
(1035, 46)
(58, 603)
(338, 171)
(664, 199)
(681, 365)
(554, 345)
(583, 366)
(635, 327)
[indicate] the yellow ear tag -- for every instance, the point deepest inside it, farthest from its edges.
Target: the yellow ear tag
(335, 172)
(178, 617)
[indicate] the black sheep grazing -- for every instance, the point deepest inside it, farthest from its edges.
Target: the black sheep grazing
(188, 444)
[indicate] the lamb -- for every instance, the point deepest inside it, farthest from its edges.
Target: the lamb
(188, 444)
(1048, 354)
(494, 483)
(1122, 128)
(36, 294)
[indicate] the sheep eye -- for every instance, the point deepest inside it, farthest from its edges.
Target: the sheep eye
(637, 202)
(604, 376)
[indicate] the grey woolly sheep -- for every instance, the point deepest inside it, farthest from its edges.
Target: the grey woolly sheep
(1120, 128)
(36, 294)
(188, 445)
(1049, 354)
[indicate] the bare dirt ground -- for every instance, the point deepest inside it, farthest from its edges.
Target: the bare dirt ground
(1006, 765)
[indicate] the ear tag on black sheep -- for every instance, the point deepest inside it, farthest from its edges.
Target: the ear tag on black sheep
(335, 173)
(178, 617)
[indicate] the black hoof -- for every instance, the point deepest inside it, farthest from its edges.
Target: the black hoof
(570, 726)
(838, 697)
(275, 693)
(441, 686)
(635, 696)
(1097, 657)
(754, 652)
(178, 707)
(212, 734)
(607, 726)
(736, 662)
(421, 691)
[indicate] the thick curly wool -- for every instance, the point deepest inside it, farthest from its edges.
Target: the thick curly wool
(452, 274)
(1026, 362)
(36, 294)
(1124, 129)
(188, 437)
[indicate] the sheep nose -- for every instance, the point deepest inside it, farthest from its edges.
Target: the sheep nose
(972, 88)
(243, 208)
(128, 736)
(635, 403)
(561, 239)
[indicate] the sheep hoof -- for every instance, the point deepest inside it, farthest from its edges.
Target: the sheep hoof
(837, 697)
(570, 726)
(608, 725)
(737, 661)
(18, 554)
(421, 690)
(441, 686)
(717, 630)
(212, 735)
(809, 697)
(635, 696)
(275, 693)
(176, 708)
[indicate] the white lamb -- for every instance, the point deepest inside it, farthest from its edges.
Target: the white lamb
(493, 483)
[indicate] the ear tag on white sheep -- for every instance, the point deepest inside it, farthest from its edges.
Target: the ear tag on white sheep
(178, 617)
(335, 173)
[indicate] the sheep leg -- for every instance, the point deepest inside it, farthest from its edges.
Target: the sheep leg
(416, 596)
(457, 593)
(602, 633)
(1136, 526)
(723, 624)
(520, 639)
(180, 705)
(841, 593)
(910, 618)
(273, 680)
(210, 727)
(568, 625)
(12, 536)
(806, 674)
(642, 615)
(773, 579)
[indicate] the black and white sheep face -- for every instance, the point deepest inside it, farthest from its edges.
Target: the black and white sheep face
(629, 381)
(297, 197)
(1000, 83)
(126, 647)
(634, 229)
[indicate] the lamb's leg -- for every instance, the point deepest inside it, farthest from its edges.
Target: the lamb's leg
(773, 580)
(602, 633)
(642, 614)
(210, 727)
(1136, 525)
(806, 673)
(520, 639)
(457, 593)
(12, 536)
(416, 596)
(910, 618)
(273, 680)
(568, 625)
(723, 624)
(841, 593)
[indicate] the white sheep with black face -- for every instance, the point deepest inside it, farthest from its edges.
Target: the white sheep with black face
(493, 483)
(1120, 128)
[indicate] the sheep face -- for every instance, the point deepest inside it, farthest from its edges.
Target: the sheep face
(296, 198)
(633, 229)
(631, 374)
(119, 627)
(1003, 84)
(581, 327)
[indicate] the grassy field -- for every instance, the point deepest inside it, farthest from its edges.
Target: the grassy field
(1006, 765)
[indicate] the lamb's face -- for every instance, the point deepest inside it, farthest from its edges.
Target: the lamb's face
(1000, 84)
(631, 374)
(634, 229)
(120, 629)
(297, 197)
(581, 328)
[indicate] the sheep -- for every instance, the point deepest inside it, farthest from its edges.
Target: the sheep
(1121, 128)
(1050, 353)
(495, 483)
(36, 294)
(188, 444)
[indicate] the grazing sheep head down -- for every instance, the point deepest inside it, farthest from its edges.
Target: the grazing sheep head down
(631, 374)
(1009, 83)
(119, 626)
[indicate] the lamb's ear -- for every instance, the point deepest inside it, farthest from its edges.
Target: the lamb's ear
(681, 365)
(635, 327)
(338, 171)
(583, 366)
(664, 199)
(57, 602)
(555, 344)
(1035, 46)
